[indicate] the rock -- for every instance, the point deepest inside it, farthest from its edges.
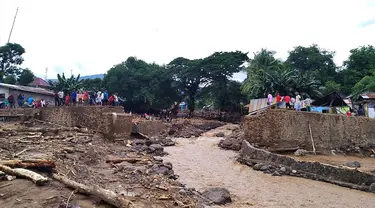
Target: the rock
(354, 164)
(283, 169)
(258, 166)
(265, 167)
(161, 170)
(157, 147)
(276, 173)
(217, 195)
(372, 187)
(220, 134)
(301, 152)
(138, 142)
(294, 171)
(168, 165)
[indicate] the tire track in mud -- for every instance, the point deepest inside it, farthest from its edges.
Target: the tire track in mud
(201, 164)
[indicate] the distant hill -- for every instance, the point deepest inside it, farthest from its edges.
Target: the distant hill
(94, 76)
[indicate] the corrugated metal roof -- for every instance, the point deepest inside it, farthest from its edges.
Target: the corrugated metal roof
(39, 82)
(28, 89)
(256, 104)
(368, 96)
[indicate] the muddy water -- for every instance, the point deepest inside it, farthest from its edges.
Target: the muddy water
(202, 164)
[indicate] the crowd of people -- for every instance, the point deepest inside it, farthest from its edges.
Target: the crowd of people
(85, 98)
(291, 102)
(22, 101)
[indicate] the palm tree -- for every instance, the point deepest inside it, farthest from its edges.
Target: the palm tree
(265, 74)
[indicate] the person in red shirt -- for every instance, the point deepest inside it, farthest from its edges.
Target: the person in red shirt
(278, 100)
(111, 100)
(67, 100)
(287, 101)
(348, 113)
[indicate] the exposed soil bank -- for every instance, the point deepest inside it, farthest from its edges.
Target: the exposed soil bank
(201, 164)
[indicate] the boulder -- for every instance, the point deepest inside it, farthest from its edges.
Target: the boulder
(157, 147)
(220, 134)
(372, 187)
(258, 166)
(217, 195)
(354, 164)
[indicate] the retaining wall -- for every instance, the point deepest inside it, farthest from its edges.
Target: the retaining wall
(315, 170)
(286, 129)
(97, 118)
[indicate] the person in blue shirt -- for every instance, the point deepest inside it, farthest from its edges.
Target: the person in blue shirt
(30, 101)
(105, 101)
(74, 97)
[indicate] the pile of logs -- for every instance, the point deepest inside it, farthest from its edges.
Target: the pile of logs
(20, 168)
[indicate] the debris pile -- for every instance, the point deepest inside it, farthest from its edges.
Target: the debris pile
(122, 172)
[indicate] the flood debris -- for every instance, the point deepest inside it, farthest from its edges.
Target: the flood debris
(66, 158)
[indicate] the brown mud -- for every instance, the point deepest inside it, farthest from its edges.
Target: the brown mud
(202, 164)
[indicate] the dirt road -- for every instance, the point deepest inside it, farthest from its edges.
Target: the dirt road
(202, 164)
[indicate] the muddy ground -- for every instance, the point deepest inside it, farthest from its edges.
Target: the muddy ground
(81, 155)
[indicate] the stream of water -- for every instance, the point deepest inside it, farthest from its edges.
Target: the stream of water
(201, 164)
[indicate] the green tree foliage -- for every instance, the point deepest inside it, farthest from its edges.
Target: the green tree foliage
(26, 77)
(10, 59)
(92, 84)
(141, 83)
(360, 63)
(332, 86)
(265, 74)
(10, 79)
(66, 84)
(213, 71)
(315, 60)
(188, 76)
(366, 84)
(226, 97)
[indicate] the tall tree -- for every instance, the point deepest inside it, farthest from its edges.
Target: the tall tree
(273, 76)
(220, 67)
(360, 63)
(188, 76)
(10, 79)
(26, 77)
(10, 59)
(314, 60)
(141, 84)
(92, 84)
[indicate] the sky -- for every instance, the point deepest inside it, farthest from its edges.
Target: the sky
(89, 37)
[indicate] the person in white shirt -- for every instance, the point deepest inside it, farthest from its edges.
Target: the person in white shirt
(99, 98)
(298, 102)
(61, 97)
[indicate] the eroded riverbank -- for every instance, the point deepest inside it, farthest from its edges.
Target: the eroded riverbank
(201, 164)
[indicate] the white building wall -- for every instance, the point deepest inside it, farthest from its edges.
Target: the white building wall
(4, 93)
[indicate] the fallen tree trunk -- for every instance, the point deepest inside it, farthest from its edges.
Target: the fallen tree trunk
(33, 163)
(126, 159)
(104, 194)
(23, 173)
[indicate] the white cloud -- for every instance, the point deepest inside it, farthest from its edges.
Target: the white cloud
(89, 37)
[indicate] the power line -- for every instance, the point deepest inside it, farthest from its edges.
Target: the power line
(14, 20)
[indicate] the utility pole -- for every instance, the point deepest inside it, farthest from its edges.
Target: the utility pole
(71, 72)
(45, 78)
(11, 30)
